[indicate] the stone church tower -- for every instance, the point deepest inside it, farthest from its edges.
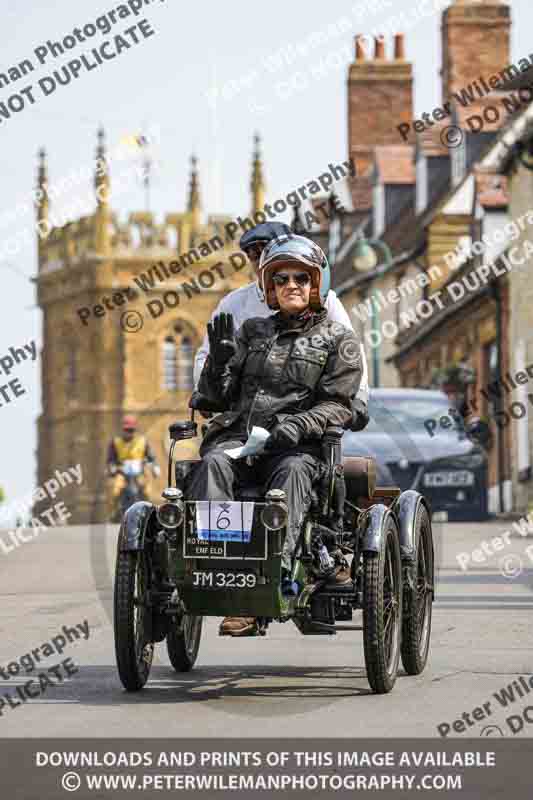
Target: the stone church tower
(125, 307)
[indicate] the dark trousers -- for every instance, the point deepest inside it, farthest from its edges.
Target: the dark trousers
(294, 472)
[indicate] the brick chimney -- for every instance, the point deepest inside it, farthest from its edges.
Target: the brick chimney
(475, 43)
(380, 97)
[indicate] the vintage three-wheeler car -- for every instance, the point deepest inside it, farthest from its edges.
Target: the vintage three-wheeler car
(183, 560)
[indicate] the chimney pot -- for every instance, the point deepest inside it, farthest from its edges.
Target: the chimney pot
(359, 48)
(399, 46)
(380, 47)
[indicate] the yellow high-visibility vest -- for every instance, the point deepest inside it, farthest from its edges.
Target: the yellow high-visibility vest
(135, 449)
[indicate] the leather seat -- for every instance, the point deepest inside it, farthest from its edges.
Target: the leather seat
(359, 477)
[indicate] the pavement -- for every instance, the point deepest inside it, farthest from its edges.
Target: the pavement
(283, 683)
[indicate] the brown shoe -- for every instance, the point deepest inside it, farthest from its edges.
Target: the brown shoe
(342, 575)
(238, 626)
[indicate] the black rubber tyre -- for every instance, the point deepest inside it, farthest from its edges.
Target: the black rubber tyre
(134, 651)
(418, 599)
(183, 642)
(382, 610)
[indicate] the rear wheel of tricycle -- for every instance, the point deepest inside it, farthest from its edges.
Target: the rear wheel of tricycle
(418, 599)
(183, 642)
(382, 610)
(133, 646)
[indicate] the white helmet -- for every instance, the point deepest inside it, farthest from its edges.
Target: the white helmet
(301, 250)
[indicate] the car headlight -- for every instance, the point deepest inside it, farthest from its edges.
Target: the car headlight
(170, 514)
(275, 514)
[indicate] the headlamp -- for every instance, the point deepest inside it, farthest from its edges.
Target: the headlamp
(170, 514)
(275, 514)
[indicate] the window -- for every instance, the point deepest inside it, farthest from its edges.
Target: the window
(178, 361)
(185, 364)
(169, 364)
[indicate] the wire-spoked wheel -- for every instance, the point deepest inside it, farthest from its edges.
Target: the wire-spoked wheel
(418, 598)
(183, 642)
(382, 610)
(132, 623)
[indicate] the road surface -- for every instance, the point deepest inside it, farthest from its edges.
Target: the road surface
(282, 684)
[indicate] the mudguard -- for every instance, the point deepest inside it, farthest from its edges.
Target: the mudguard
(406, 508)
(376, 519)
(133, 526)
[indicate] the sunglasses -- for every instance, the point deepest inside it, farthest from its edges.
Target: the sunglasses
(282, 278)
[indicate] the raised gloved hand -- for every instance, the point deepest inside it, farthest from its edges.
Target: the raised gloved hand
(286, 434)
(221, 335)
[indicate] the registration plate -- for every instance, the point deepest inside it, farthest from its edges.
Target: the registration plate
(460, 478)
(224, 580)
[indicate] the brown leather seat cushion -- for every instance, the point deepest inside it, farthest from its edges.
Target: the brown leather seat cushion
(359, 476)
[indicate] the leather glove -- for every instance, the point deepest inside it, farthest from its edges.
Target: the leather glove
(221, 335)
(286, 434)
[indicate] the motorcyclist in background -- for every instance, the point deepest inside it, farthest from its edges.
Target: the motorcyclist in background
(131, 446)
(248, 301)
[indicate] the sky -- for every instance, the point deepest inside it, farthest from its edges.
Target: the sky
(203, 78)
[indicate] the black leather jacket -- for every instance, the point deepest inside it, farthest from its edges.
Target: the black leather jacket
(284, 367)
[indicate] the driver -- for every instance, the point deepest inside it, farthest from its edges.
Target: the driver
(248, 301)
(293, 373)
(131, 446)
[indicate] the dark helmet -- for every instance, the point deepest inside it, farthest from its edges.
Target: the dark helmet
(263, 233)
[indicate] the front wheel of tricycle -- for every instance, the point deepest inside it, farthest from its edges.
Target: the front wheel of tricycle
(133, 646)
(382, 610)
(183, 642)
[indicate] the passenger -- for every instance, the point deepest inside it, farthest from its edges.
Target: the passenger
(248, 301)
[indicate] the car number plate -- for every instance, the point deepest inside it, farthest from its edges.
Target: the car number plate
(462, 478)
(224, 580)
